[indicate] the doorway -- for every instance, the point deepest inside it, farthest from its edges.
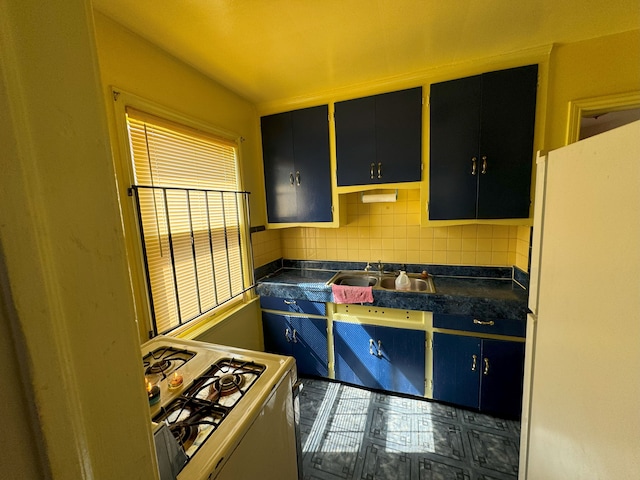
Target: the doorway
(590, 116)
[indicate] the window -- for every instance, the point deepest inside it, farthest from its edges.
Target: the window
(192, 218)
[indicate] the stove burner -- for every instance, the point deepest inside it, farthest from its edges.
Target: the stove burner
(227, 384)
(159, 366)
(186, 435)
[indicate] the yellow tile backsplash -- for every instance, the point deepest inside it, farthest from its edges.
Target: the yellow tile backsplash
(391, 232)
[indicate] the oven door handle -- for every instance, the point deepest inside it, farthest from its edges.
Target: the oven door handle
(296, 388)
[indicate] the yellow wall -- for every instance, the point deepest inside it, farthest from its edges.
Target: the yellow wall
(130, 63)
(592, 68)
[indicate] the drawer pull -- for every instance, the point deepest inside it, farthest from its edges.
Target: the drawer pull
(474, 364)
(486, 366)
(371, 170)
(295, 338)
(371, 347)
(287, 335)
(480, 322)
(379, 348)
(293, 302)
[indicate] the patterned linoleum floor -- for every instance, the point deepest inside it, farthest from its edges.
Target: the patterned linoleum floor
(356, 434)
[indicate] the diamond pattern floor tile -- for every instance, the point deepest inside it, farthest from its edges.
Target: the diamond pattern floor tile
(352, 433)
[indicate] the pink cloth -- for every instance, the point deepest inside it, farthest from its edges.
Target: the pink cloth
(349, 294)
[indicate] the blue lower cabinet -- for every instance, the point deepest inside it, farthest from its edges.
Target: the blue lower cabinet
(380, 357)
(502, 377)
(456, 367)
(355, 359)
(479, 373)
(303, 338)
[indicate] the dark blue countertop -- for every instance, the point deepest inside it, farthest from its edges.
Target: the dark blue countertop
(483, 297)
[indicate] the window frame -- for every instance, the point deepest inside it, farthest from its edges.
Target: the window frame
(125, 178)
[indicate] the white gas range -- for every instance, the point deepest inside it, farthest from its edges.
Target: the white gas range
(218, 408)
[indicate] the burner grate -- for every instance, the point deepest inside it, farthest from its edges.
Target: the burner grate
(226, 381)
(191, 421)
(196, 414)
(164, 360)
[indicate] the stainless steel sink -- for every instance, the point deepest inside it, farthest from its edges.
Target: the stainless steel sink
(385, 281)
(415, 284)
(355, 280)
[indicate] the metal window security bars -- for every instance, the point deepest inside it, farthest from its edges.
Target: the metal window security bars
(193, 249)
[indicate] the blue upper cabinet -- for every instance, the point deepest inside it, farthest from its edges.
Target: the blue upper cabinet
(379, 138)
(295, 148)
(481, 145)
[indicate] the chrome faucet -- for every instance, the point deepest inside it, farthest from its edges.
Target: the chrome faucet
(380, 267)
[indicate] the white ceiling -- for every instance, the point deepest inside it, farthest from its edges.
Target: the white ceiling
(272, 50)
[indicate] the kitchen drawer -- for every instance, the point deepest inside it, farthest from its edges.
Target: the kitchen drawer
(293, 306)
(468, 323)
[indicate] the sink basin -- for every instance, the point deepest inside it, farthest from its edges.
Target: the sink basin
(355, 280)
(415, 284)
(386, 281)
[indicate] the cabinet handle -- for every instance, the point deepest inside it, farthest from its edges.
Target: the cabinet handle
(289, 302)
(291, 178)
(287, 335)
(371, 347)
(379, 169)
(486, 366)
(379, 348)
(295, 338)
(298, 178)
(484, 164)
(480, 322)
(474, 165)
(373, 165)
(474, 364)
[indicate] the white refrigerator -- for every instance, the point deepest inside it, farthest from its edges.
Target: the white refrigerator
(581, 405)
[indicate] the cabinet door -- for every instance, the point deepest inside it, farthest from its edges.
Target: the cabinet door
(456, 369)
(502, 375)
(454, 134)
(279, 168)
(309, 340)
(356, 141)
(277, 333)
(297, 171)
(399, 136)
(379, 138)
(312, 167)
(481, 145)
(506, 142)
(355, 357)
(402, 362)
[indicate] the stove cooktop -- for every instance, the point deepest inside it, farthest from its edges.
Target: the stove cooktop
(197, 412)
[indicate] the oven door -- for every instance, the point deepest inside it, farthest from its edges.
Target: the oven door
(268, 449)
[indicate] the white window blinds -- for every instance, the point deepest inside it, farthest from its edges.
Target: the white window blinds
(191, 216)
